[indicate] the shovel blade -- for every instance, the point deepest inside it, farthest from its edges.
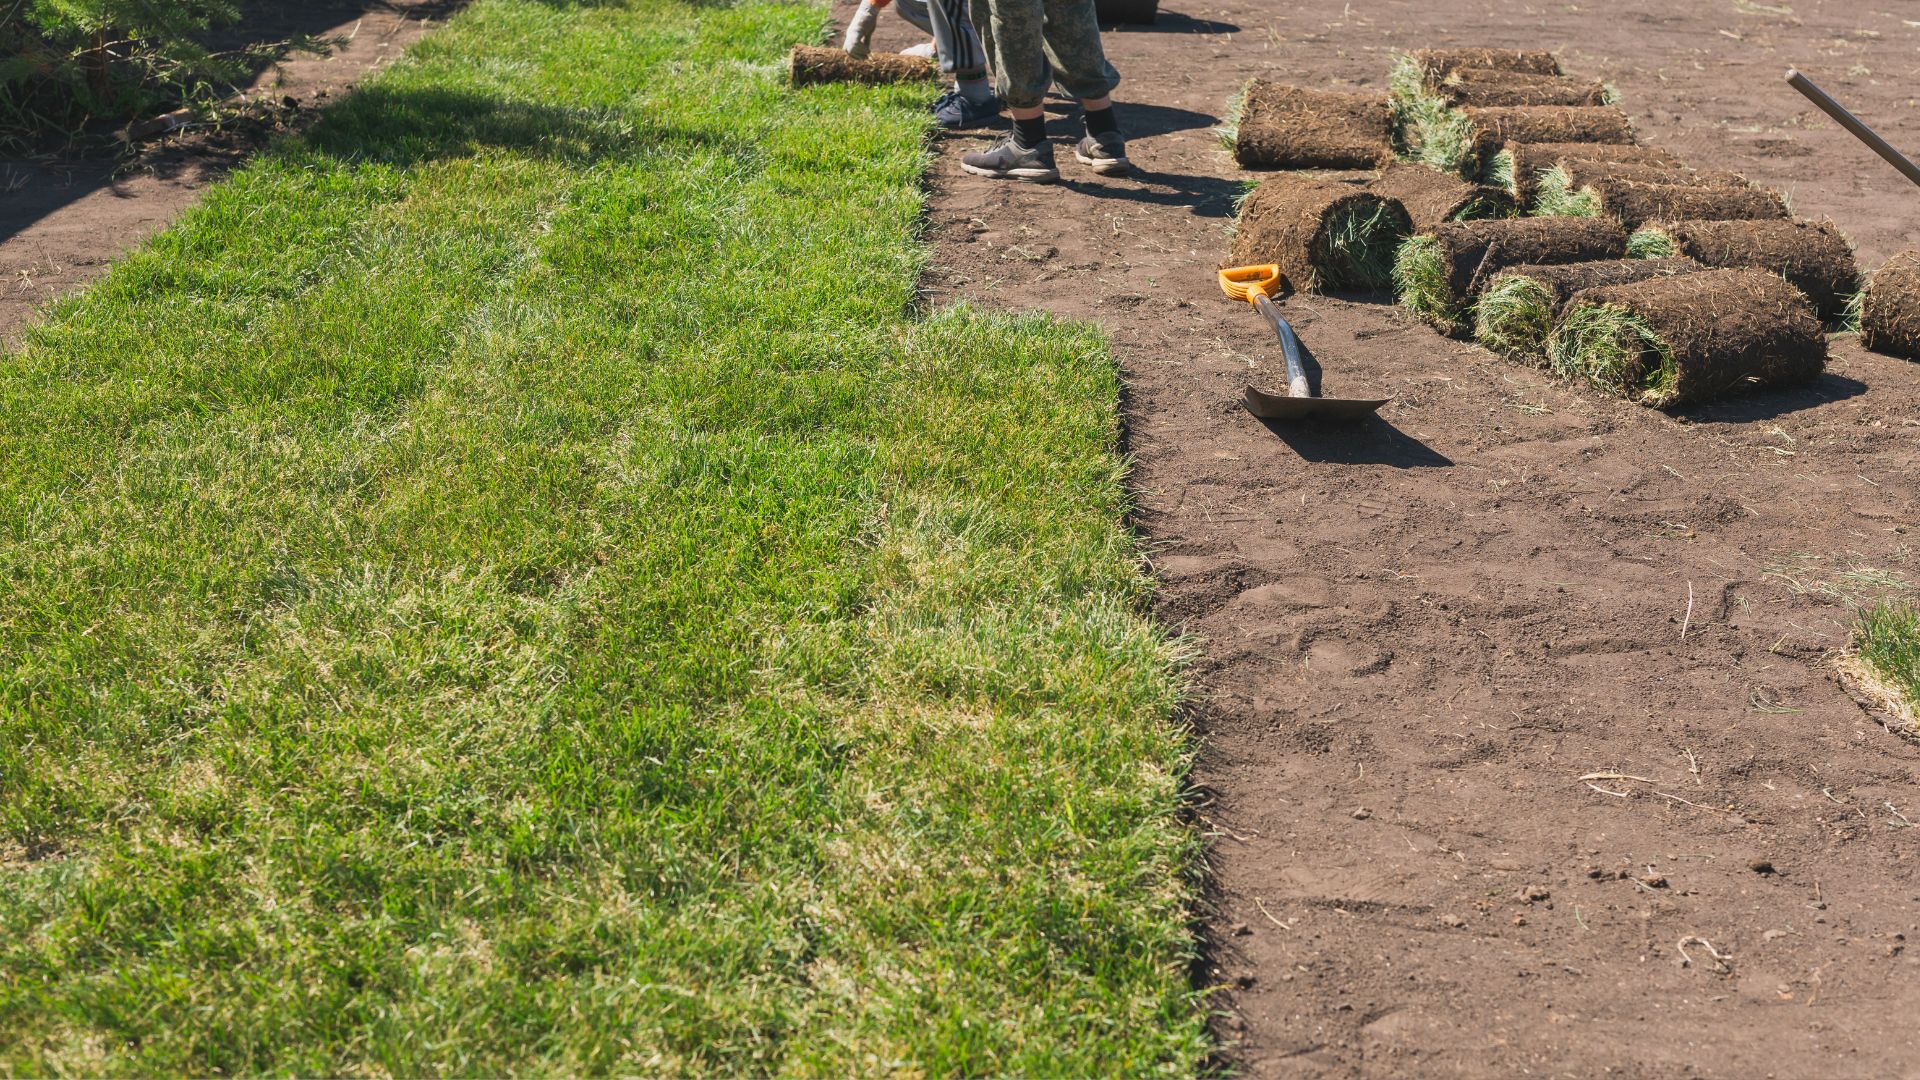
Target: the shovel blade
(1270, 407)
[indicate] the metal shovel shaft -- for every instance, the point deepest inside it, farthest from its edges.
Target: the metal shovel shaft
(1289, 347)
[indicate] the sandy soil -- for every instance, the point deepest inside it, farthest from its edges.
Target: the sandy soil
(1422, 635)
(63, 221)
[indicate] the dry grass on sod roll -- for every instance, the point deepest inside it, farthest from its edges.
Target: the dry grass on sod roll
(1438, 274)
(1515, 313)
(451, 631)
(1324, 232)
(1292, 127)
(808, 65)
(1517, 166)
(1432, 197)
(1690, 338)
(1634, 203)
(1425, 128)
(1485, 87)
(1812, 255)
(1890, 308)
(1491, 129)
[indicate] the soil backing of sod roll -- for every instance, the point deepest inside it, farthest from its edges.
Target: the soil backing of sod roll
(1690, 338)
(1432, 197)
(1487, 87)
(1293, 127)
(1493, 128)
(811, 64)
(1565, 187)
(1525, 161)
(1811, 255)
(1438, 274)
(1635, 203)
(1439, 63)
(1324, 232)
(1515, 313)
(1890, 308)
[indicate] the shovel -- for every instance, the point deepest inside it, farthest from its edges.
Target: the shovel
(1255, 285)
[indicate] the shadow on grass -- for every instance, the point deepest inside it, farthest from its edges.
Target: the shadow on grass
(407, 126)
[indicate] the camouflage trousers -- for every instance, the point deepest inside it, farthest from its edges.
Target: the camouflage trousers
(1033, 43)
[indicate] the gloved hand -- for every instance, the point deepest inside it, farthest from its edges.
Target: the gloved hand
(860, 30)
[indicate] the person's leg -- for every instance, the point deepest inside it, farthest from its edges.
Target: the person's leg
(1015, 36)
(1080, 66)
(972, 101)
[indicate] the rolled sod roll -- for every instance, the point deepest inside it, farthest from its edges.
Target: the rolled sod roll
(1324, 232)
(1635, 203)
(1890, 308)
(1432, 197)
(1566, 186)
(1439, 63)
(1811, 255)
(810, 64)
(1485, 87)
(1690, 338)
(1292, 127)
(1517, 165)
(1438, 274)
(1516, 311)
(1493, 128)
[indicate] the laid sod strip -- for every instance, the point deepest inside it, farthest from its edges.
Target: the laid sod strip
(1490, 129)
(1517, 166)
(1433, 198)
(809, 64)
(1690, 338)
(1883, 664)
(1292, 127)
(1515, 313)
(1889, 308)
(500, 589)
(1324, 232)
(1490, 87)
(1438, 275)
(1635, 203)
(1813, 256)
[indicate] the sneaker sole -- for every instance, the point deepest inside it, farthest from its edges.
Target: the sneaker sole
(1025, 173)
(1103, 166)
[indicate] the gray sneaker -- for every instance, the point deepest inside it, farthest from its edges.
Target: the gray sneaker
(1006, 159)
(1105, 154)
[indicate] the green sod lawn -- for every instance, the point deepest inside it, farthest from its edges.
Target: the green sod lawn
(508, 585)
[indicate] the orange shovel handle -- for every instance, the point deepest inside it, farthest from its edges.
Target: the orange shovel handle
(1245, 282)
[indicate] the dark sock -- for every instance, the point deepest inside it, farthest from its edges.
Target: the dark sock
(1101, 121)
(1028, 134)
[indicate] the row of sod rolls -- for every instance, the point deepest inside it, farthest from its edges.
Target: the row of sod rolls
(1681, 339)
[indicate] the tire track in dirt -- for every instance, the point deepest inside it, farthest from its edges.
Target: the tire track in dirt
(1417, 643)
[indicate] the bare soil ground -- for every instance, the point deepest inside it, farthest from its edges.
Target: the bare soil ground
(1421, 636)
(63, 220)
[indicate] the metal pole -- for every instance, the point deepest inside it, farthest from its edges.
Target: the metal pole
(1852, 123)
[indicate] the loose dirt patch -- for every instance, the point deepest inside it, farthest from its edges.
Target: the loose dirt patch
(63, 221)
(1507, 585)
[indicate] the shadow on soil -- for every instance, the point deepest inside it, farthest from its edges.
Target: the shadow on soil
(1372, 441)
(1172, 22)
(1768, 404)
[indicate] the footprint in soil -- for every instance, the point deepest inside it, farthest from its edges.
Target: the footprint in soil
(1291, 594)
(1345, 658)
